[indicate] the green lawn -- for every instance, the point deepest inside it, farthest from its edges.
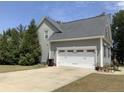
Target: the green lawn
(11, 68)
(95, 83)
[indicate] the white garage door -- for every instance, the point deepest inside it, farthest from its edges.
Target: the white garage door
(76, 57)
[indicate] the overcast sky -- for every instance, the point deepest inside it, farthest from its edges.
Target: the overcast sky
(14, 13)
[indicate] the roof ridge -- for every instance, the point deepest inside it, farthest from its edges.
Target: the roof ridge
(84, 19)
(54, 22)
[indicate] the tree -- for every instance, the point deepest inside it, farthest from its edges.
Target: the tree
(30, 44)
(21, 29)
(13, 45)
(3, 49)
(9, 47)
(118, 35)
(20, 45)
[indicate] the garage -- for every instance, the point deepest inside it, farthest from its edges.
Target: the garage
(83, 57)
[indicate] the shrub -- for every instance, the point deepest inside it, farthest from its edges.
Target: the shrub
(26, 60)
(36, 53)
(106, 68)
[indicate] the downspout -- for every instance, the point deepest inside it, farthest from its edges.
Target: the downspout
(101, 52)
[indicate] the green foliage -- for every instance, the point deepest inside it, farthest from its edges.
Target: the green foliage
(30, 44)
(27, 60)
(118, 35)
(20, 45)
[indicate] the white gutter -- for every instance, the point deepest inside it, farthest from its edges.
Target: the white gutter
(82, 38)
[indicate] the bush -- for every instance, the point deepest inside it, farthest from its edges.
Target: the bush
(106, 68)
(36, 53)
(26, 60)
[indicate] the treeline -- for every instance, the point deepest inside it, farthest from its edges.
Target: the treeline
(19, 46)
(118, 36)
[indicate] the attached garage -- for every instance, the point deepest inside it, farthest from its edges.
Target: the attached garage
(84, 57)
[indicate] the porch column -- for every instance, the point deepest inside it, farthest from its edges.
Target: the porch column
(101, 52)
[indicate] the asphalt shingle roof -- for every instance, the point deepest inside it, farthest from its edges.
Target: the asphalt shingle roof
(94, 26)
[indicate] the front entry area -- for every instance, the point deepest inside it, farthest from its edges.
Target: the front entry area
(83, 57)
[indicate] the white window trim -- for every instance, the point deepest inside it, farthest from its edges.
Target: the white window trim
(46, 34)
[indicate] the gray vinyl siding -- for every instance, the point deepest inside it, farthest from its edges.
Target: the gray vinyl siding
(76, 29)
(108, 37)
(90, 42)
(107, 58)
(44, 43)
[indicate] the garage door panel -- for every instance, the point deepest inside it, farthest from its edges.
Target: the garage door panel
(77, 59)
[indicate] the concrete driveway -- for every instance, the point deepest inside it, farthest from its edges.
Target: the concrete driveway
(44, 79)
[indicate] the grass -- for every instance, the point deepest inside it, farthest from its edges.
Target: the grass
(11, 68)
(95, 83)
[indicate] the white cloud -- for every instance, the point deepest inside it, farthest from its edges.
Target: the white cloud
(63, 12)
(120, 5)
(82, 3)
(114, 5)
(110, 6)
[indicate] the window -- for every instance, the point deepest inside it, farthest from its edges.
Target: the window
(109, 52)
(80, 50)
(90, 50)
(46, 34)
(107, 29)
(104, 51)
(61, 51)
(69, 50)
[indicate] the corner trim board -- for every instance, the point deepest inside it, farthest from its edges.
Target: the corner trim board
(101, 52)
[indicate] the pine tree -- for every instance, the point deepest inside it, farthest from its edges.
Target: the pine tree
(20, 45)
(30, 46)
(118, 35)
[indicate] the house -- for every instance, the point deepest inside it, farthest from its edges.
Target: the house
(84, 43)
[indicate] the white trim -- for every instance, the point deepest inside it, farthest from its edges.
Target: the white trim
(96, 58)
(110, 43)
(47, 19)
(56, 58)
(77, 47)
(109, 36)
(101, 52)
(82, 38)
(49, 51)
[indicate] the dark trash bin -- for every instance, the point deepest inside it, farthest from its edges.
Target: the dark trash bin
(50, 62)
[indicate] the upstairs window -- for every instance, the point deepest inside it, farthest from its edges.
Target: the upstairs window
(46, 34)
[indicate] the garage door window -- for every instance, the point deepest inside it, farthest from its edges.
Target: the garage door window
(80, 50)
(70, 50)
(90, 50)
(61, 51)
